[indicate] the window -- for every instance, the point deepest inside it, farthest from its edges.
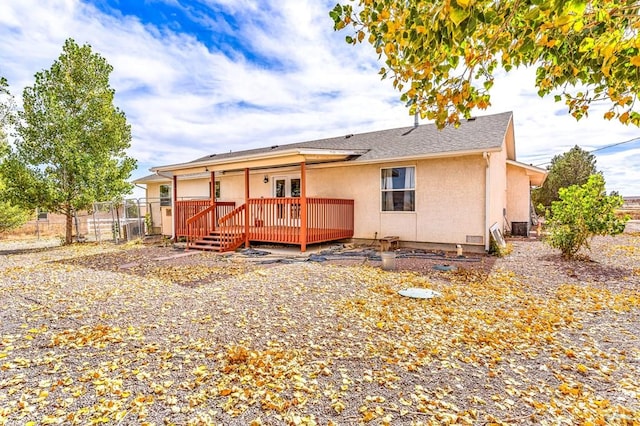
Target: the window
(165, 195)
(295, 187)
(398, 188)
(217, 190)
(43, 214)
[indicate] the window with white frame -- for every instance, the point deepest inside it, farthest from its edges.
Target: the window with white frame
(398, 189)
(165, 195)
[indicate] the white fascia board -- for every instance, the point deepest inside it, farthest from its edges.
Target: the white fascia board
(528, 167)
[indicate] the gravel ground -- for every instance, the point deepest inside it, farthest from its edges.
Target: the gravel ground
(152, 335)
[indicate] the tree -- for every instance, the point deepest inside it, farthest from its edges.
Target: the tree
(582, 212)
(571, 168)
(70, 150)
(442, 54)
(6, 109)
(11, 216)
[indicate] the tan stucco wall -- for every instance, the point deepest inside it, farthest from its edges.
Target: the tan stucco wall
(498, 188)
(518, 195)
(449, 199)
(193, 188)
(153, 201)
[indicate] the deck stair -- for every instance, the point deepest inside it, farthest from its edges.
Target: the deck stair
(217, 241)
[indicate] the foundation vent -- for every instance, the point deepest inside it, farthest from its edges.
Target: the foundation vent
(475, 239)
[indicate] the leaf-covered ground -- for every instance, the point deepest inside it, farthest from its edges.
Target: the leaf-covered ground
(129, 335)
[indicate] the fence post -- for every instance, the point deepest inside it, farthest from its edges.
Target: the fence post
(303, 207)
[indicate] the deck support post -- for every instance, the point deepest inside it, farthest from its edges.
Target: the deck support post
(303, 207)
(246, 210)
(174, 208)
(213, 200)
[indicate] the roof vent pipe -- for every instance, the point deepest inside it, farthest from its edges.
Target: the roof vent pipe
(415, 120)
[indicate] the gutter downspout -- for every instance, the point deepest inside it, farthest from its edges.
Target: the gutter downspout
(174, 189)
(487, 204)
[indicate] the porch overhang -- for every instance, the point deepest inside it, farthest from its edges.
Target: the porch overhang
(262, 160)
(536, 174)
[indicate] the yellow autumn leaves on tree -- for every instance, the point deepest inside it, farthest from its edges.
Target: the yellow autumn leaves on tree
(584, 51)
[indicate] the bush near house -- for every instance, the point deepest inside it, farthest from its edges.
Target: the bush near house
(583, 212)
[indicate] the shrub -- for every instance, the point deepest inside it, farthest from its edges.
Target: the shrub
(583, 212)
(12, 217)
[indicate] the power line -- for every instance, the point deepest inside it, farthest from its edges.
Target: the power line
(614, 144)
(600, 149)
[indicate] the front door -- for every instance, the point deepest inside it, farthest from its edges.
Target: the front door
(287, 213)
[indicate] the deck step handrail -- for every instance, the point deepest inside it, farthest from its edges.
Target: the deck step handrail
(235, 211)
(194, 232)
(203, 222)
(231, 228)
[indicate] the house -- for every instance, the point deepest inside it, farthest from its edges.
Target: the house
(426, 186)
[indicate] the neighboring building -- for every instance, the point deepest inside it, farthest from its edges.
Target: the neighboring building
(424, 185)
(631, 202)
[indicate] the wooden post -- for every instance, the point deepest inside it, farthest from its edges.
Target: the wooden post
(246, 209)
(303, 207)
(213, 200)
(174, 208)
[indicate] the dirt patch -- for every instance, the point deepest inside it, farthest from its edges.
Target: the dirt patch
(188, 268)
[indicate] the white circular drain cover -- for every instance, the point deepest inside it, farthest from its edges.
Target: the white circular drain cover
(419, 293)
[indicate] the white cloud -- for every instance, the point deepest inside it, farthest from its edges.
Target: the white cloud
(185, 100)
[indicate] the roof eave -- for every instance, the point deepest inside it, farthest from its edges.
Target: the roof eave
(435, 155)
(316, 152)
(537, 174)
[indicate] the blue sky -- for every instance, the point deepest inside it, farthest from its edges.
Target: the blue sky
(208, 76)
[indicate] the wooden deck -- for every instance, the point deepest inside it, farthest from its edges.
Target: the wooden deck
(271, 220)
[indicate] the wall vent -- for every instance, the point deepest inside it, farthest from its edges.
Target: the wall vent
(475, 239)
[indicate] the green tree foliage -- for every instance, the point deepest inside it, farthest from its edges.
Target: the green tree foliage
(571, 168)
(6, 104)
(442, 55)
(71, 141)
(11, 216)
(582, 212)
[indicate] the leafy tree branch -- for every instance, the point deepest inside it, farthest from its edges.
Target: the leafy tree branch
(442, 55)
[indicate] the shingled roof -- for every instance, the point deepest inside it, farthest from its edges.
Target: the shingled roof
(481, 133)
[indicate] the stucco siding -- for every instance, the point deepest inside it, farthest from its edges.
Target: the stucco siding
(362, 184)
(498, 189)
(449, 199)
(518, 194)
(193, 188)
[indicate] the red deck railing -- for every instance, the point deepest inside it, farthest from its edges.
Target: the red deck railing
(274, 220)
(187, 210)
(329, 219)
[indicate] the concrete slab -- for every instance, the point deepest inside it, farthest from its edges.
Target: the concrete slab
(177, 255)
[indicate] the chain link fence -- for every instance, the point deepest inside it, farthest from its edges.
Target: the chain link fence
(105, 221)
